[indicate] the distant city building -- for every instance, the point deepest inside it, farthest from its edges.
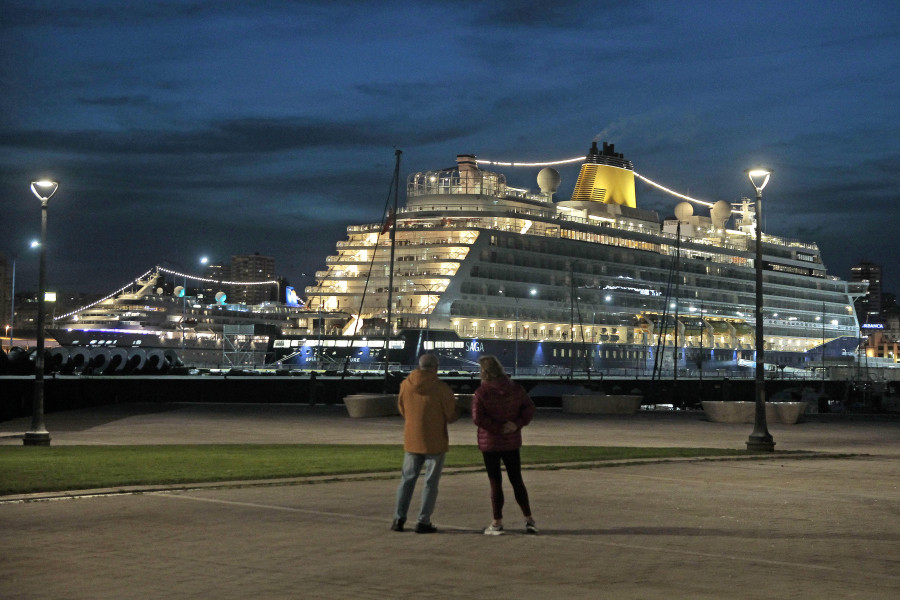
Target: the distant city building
(888, 303)
(879, 316)
(243, 267)
(884, 341)
(868, 307)
(219, 272)
(252, 267)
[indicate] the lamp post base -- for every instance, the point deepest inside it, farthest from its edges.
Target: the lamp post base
(760, 443)
(36, 438)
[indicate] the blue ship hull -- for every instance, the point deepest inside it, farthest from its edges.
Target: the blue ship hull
(540, 357)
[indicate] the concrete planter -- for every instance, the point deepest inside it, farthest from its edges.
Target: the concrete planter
(786, 413)
(360, 406)
(601, 404)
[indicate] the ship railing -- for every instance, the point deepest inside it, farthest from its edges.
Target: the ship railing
(620, 224)
(732, 241)
(419, 241)
(334, 367)
(480, 211)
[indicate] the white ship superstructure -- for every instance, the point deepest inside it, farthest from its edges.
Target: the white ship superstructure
(592, 282)
(152, 326)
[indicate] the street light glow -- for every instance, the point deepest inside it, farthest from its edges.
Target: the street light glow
(757, 174)
(48, 188)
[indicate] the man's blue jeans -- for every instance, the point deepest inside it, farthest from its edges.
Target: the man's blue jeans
(412, 465)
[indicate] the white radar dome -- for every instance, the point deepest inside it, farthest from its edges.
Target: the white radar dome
(548, 180)
(720, 212)
(683, 211)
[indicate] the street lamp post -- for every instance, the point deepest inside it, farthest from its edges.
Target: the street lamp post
(183, 310)
(516, 354)
(12, 302)
(10, 329)
(38, 434)
(760, 439)
(516, 350)
(572, 320)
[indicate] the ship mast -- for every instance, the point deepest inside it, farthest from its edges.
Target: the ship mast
(675, 350)
(393, 225)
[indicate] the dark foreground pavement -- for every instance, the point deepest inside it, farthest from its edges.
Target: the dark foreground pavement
(826, 526)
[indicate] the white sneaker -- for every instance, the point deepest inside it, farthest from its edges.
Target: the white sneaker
(531, 528)
(494, 530)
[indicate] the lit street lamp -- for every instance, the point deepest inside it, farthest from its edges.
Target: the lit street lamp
(10, 329)
(760, 439)
(38, 434)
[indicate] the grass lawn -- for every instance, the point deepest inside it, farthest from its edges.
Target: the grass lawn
(41, 469)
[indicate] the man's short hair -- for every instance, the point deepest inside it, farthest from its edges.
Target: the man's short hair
(428, 361)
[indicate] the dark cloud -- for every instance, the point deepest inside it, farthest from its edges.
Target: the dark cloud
(229, 136)
(537, 14)
(55, 13)
(184, 127)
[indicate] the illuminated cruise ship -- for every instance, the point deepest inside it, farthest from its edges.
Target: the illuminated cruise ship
(589, 283)
(150, 326)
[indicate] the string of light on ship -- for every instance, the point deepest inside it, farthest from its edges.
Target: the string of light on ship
(270, 282)
(170, 272)
(581, 159)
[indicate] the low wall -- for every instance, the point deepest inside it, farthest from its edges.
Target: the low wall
(601, 404)
(360, 406)
(891, 404)
(787, 413)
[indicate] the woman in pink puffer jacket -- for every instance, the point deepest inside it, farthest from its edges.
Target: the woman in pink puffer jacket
(500, 409)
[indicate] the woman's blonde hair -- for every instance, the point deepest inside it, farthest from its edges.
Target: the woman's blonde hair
(490, 368)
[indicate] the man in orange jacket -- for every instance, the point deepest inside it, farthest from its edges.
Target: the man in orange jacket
(427, 405)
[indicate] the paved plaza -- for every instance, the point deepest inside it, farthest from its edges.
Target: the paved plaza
(824, 525)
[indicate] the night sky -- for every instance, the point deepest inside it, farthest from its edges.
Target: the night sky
(187, 128)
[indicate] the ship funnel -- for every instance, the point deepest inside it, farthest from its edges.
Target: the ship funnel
(606, 176)
(466, 163)
(469, 174)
